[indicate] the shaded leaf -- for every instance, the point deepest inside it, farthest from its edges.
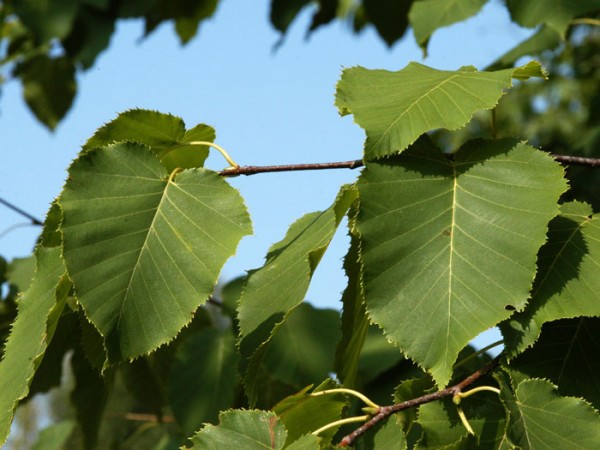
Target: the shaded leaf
(555, 13)
(48, 87)
(202, 379)
(426, 16)
(395, 108)
(566, 355)
(389, 17)
(283, 12)
(251, 430)
(566, 284)
(302, 413)
(306, 442)
(150, 251)
(31, 332)
(163, 133)
(548, 420)
(49, 19)
(272, 291)
(20, 272)
(448, 244)
(55, 436)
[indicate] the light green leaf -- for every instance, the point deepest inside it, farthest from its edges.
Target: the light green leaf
(389, 436)
(555, 13)
(55, 436)
(39, 308)
(20, 271)
(548, 420)
(202, 378)
(448, 244)
(274, 290)
(163, 133)
(306, 442)
(567, 284)
(395, 108)
(150, 250)
(426, 16)
(566, 354)
(302, 413)
(248, 430)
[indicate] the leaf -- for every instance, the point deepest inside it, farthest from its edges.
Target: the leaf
(543, 40)
(150, 250)
(202, 379)
(555, 13)
(31, 333)
(395, 108)
(48, 87)
(20, 272)
(274, 290)
(306, 442)
(566, 355)
(448, 244)
(48, 20)
(55, 436)
(302, 413)
(250, 430)
(389, 17)
(163, 133)
(426, 16)
(548, 420)
(283, 12)
(567, 284)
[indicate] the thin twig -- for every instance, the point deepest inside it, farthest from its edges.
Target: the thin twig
(141, 417)
(576, 160)
(16, 209)
(386, 411)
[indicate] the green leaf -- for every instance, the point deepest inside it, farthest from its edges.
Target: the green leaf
(395, 108)
(20, 272)
(49, 19)
(567, 284)
(543, 40)
(426, 16)
(163, 133)
(389, 17)
(283, 12)
(306, 442)
(248, 430)
(203, 376)
(31, 332)
(48, 87)
(448, 244)
(389, 436)
(566, 355)
(55, 436)
(302, 413)
(302, 350)
(555, 13)
(187, 24)
(272, 291)
(150, 250)
(548, 420)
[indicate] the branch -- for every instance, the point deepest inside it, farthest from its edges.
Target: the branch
(386, 411)
(33, 219)
(252, 170)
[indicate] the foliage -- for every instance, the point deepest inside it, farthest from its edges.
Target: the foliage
(455, 226)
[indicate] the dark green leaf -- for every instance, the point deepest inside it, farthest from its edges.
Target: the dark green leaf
(48, 19)
(390, 17)
(248, 430)
(55, 436)
(567, 284)
(150, 250)
(283, 12)
(48, 87)
(395, 108)
(448, 244)
(203, 377)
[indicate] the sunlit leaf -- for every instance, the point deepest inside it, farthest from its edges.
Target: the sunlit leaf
(248, 430)
(567, 284)
(39, 308)
(165, 134)
(426, 16)
(150, 250)
(395, 108)
(448, 244)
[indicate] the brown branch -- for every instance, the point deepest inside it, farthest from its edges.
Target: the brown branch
(386, 411)
(33, 219)
(252, 170)
(141, 417)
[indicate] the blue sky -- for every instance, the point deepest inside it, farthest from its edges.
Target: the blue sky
(267, 107)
